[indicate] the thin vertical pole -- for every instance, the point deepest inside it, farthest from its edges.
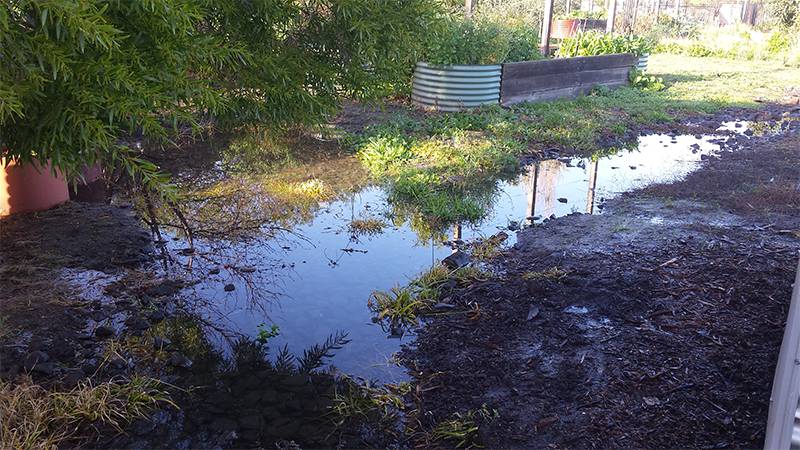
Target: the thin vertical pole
(569, 6)
(612, 12)
(548, 19)
(469, 7)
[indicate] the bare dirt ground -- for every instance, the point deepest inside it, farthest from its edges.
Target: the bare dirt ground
(656, 324)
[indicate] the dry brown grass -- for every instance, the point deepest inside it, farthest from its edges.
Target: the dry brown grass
(32, 417)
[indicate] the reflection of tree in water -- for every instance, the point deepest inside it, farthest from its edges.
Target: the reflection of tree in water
(231, 223)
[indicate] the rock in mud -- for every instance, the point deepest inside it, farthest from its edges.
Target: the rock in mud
(533, 312)
(157, 315)
(165, 288)
(229, 287)
(103, 332)
(72, 377)
(179, 360)
(562, 200)
(38, 361)
(457, 260)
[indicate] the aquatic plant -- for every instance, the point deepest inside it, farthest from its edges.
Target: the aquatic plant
(265, 334)
(400, 306)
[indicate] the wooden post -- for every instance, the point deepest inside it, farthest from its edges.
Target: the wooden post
(469, 7)
(546, 22)
(612, 12)
(569, 4)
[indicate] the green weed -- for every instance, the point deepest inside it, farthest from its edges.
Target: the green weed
(462, 429)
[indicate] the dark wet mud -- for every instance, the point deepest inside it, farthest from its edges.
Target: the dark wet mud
(621, 329)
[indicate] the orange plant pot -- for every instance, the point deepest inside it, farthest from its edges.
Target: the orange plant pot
(30, 187)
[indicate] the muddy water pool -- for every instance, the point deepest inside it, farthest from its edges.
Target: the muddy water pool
(316, 278)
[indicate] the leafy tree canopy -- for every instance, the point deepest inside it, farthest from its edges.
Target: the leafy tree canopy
(79, 78)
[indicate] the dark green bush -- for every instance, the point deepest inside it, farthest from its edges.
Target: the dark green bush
(78, 78)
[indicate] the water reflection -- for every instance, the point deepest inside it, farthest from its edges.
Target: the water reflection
(316, 277)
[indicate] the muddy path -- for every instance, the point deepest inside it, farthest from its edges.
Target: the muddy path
(656, 324)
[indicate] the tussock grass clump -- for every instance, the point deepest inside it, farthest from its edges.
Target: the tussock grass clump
(32, 417)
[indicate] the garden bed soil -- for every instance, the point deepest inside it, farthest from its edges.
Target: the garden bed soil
(660, 327)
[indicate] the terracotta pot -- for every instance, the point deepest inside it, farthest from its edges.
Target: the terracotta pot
(564, 28)
(30, 187)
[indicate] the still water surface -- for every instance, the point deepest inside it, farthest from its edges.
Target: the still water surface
(317, 279)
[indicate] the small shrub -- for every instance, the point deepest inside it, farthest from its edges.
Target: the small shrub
(481, 41)
(646, 82)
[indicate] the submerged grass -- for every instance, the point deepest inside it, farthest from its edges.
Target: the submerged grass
(32, 417)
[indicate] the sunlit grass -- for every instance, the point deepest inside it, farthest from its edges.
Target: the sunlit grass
(32, 417)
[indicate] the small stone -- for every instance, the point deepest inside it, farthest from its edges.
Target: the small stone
(118, 363)
(229, 287)
(165, 288)
(38, 361)
(456, 260)
(223, 424)
(137, 323)
(214, 271)
(179, 360)
(533, 312)
(651, 401)
(103, 332)
(160, 343)
(72, 377)
(562, 200)
(632, 167)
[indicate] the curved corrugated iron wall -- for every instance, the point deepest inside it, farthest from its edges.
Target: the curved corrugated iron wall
(642, 63)
(455, 88)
